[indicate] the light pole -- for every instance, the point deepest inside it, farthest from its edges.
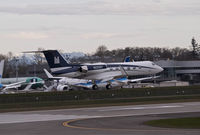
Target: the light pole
(16, 68)
(34, 68)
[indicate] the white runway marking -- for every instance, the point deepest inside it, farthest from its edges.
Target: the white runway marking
(22, 118)
(112, 111)
(141, 108)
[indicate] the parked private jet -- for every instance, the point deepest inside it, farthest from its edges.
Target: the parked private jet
(24, 85)
(103, 72)
(66, 83)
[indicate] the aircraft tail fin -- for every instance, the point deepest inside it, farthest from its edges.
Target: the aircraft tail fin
(55, 59)
(127, 59)
(1, 69)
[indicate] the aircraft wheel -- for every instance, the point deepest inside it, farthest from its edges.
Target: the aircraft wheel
(108, 86)
(95, 87)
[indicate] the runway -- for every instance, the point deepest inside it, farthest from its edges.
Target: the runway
(120, 120)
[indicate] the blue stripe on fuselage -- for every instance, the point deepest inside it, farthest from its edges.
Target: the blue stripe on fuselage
(100, 82)
(67, 70)
(76, 68)
(122, 65)
(1, 86)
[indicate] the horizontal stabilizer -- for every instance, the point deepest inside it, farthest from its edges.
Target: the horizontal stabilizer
(50, 76)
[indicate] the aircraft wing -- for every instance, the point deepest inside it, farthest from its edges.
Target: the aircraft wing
(27, 88)
(107, 79)
(29, 85)
(68, 80)
(126, 81)
(13, 85)
(142, 79)
(124, 73)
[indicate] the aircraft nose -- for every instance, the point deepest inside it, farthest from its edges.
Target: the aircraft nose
(160, 69)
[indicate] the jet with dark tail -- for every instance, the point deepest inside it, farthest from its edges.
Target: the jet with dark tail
(103, 72)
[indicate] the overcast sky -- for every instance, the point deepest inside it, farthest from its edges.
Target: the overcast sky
(83, 25)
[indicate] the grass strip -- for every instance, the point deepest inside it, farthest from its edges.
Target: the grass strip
(95, 103)
(190, 123)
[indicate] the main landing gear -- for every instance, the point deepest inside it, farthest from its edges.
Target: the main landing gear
(108, 86)
(94, 87)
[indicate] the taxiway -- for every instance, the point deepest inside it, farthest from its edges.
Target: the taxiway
(114, 120)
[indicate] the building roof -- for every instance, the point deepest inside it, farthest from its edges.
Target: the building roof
(172, 63)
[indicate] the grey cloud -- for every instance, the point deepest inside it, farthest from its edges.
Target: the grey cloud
(152, 7)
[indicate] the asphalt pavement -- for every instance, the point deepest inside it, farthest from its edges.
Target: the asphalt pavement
(114, 120)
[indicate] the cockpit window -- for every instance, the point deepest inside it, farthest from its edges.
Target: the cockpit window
(153, 64)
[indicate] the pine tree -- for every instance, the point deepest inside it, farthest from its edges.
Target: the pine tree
(195, 48)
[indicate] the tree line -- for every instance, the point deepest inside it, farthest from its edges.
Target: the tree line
(102, 54)
(151, 53)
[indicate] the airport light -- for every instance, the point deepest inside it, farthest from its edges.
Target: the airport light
(34, 68)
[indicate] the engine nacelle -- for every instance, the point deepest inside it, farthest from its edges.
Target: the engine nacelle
(63, 88)
(83, 69)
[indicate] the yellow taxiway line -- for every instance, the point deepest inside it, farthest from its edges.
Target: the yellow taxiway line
(67, 124)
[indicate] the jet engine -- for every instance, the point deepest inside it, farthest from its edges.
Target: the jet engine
(83, 69)
(63, 88)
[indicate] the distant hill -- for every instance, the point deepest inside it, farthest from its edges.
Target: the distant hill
(74, 55)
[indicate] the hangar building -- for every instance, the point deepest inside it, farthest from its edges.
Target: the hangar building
(180, 70)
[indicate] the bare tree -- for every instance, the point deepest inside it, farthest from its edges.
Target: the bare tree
(38, 57)
(101, 50)
(10, 55)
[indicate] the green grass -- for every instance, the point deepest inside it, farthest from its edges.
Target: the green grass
(49, 105)
(97, 95)
(91, 98)
(190, 123)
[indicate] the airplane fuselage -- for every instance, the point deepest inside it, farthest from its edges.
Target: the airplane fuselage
(98, 71)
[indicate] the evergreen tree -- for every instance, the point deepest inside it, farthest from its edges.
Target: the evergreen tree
(195, 48)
